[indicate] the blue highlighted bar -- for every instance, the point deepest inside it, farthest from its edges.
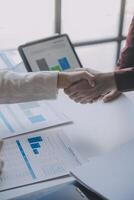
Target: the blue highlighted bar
(35, 145)
(35, 139)
(35, 151)
(64, 63)
(7, 124)
(25, 159)
(37, 119)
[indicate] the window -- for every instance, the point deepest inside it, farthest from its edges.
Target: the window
(98, 57)
(90, 19)
(129, 12)
(25, 20)
(96, 28)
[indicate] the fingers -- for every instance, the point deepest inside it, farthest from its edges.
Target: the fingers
(111, 96)
(79, 69)
(72, 89)
(66, 79)
(89, 70)
(1, 143)
(88, 99)
(83, 98)
(87, 88)
(81, 92)
(85, 101)
(76, 96)
(1, 166)
(83, 75)
(77, 88)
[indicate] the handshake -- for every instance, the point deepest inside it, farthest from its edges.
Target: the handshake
(88, 86)
(85, 86)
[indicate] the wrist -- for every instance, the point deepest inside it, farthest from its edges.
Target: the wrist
(62, 80)
(107, 80)
(110, 80)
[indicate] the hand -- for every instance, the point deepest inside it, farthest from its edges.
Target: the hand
(78, 91)
(81, 92)
(1, 162)
(89, 70)
(112, 95)
(66, 79)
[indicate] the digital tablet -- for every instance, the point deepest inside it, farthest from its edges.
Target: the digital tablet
(68, 191)
(54, 53)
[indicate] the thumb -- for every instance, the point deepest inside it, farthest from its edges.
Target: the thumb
(79, 70)
(111, 96)
(83, 75)
(90, 78)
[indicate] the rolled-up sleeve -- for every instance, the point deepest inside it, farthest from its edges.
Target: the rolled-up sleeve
(23, 87)
(124, 74)
(126, 59)
(125, 79)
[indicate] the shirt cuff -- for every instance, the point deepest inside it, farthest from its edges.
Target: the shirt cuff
(125, 79)
(51, 83)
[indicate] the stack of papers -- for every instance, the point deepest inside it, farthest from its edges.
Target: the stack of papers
(21, 118)
(36, 156)
(10, 60)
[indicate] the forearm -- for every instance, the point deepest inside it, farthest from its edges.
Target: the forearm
(121, 80)
(15, 87)
(124, 74)
(126, 59)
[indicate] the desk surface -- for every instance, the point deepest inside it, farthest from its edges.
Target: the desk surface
(97, 128)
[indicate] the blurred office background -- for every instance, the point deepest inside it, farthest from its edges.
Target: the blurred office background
(97, 28)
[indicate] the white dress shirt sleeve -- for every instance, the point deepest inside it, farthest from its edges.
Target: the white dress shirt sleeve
(22, 87)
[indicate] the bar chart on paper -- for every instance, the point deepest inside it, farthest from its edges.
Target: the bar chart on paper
(37, 156)
(25, 117)
(35, 143)
(10, 60)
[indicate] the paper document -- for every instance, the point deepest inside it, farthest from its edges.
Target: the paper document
(25, 117)
(9, 59)
(36, 157)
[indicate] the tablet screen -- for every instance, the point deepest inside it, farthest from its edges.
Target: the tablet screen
(54, 53)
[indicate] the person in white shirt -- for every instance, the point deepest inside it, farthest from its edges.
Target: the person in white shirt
(34, 86)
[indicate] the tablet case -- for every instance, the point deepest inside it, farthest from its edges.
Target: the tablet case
(69, 191)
